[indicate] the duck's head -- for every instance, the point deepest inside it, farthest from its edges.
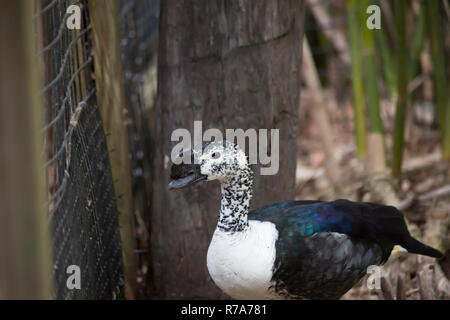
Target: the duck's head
(217, 161)
(222, 161)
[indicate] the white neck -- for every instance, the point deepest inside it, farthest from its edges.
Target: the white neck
(236, 197)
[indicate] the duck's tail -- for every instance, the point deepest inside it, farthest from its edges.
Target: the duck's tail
(415, 246)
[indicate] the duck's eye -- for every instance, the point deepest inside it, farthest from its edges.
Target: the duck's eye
(215, 155)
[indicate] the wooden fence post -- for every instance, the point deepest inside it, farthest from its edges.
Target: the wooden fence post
(111, 102)
(25, 253)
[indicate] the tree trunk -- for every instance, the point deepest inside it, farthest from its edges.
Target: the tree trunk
(231, 64)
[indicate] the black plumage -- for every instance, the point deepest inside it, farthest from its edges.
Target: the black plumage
(330, 245)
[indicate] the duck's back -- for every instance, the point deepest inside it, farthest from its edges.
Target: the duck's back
(324, 248)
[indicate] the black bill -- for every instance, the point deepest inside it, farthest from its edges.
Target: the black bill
(183, 175)
(184, 182)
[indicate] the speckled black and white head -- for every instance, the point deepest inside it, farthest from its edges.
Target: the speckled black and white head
(227, 163)
(223, 161)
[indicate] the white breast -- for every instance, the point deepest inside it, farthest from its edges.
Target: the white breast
(241, 263)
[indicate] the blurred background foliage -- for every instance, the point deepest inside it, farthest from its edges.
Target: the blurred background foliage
(385, 96)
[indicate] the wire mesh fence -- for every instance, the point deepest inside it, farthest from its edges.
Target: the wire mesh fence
(83, 215)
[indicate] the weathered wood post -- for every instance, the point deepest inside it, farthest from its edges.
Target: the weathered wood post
(111, 102)
(24, 234)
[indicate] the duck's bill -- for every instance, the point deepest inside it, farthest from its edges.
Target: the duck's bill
(185, 181)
